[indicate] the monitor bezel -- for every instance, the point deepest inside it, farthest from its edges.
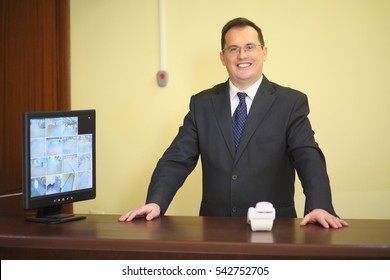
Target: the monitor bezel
(54, 201)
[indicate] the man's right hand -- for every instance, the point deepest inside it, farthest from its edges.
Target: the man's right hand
(150, 211)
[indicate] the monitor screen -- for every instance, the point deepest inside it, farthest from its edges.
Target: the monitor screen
(59, 162)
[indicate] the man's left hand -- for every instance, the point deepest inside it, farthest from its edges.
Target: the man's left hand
(323, 218)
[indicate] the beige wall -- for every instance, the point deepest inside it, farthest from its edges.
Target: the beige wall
(337, 52)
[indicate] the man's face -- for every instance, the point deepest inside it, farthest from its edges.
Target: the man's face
(244, 67)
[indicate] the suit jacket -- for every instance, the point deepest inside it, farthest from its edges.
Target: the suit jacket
(277, 141)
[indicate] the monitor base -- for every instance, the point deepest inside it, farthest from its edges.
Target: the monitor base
(53, 215)
(55, 219)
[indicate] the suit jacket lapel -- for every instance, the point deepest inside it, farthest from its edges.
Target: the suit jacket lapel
(260, 106)
(221, 104)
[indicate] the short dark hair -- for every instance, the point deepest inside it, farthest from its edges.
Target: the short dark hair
(240, 22)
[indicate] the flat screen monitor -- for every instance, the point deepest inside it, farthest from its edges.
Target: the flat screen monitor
(59, 162)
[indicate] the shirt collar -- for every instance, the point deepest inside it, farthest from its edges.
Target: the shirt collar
(250, 91)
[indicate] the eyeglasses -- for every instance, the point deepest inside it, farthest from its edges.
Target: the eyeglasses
(235, 50)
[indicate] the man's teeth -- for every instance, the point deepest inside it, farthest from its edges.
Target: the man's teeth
(244, 65)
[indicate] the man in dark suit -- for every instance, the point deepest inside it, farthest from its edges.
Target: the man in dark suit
(260, 164)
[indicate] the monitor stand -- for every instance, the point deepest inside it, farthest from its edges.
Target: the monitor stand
(53, 215)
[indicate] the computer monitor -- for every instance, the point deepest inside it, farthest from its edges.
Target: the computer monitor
(59, 162)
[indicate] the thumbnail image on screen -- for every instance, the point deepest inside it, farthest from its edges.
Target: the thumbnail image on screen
(61, 158)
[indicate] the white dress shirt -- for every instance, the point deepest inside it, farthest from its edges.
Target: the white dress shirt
(250, 95)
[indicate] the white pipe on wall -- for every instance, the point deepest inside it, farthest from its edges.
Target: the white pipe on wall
(162, 36)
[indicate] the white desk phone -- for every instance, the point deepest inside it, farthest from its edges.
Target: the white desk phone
(261, 217)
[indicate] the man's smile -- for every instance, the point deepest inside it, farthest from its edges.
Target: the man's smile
(244, 65)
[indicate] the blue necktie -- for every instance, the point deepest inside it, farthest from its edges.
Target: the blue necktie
(239, 118)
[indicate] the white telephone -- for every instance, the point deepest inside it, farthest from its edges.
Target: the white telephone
(261, 217)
